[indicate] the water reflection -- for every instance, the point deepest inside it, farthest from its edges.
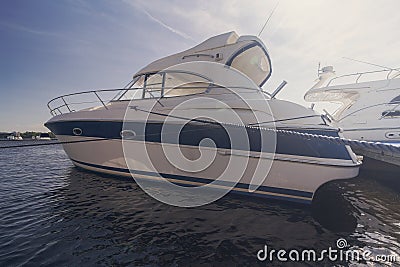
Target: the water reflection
(112, 215)
(333, 211)
(55, 214)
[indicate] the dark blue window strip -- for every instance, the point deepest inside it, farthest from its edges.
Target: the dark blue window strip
(191, 134)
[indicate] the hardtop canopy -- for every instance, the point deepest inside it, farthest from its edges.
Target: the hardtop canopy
(247, 54)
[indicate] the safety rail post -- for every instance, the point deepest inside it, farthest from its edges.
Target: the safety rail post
(66, 104)
(359, 76)
(387, 76)
(100, 99)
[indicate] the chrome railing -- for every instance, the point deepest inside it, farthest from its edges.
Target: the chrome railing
(358, 75)
(62, 104)
(388, 108)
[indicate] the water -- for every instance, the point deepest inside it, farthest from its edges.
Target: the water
(52, 213)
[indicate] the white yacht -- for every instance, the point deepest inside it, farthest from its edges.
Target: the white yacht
(42, 136)
(179, 106)
(367, 104)
(16, 136)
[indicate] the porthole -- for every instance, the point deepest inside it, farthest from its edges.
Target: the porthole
(128, 134)
(393, 135)
(77, 131)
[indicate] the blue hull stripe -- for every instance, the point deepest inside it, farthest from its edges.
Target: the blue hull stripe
(284, 191)
(192, 133)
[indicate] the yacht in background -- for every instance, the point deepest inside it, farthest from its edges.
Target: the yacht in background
(42, 136)
(369, 107)
(299, 165)
(15, 136)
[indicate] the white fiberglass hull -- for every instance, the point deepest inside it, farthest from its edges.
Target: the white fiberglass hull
(293, 178)
(389, 135)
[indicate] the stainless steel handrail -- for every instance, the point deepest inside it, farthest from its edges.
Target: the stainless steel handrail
(57, 109)
(95, 92)
(369, 107)
(53, 111)
(198, 55)
(359, 74)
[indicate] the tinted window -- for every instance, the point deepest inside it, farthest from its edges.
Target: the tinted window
(395, 100)
(131, 93)
(253, 62)
(180, 83)
(153, 85)
(166, 84)
(391, 113)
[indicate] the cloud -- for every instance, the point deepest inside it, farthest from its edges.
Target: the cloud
(41, 33)
(17, 27)
(300, 33)
(158, 21)
(184, 35)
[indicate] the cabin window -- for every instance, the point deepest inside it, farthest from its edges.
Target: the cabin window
(254, 62)
(395, 100)
(182, 83)
(153, 85)
(133, 89)
(391, 113)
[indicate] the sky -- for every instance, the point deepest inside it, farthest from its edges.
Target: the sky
(49, 48)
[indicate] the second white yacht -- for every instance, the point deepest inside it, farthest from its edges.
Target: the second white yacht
(368, 106)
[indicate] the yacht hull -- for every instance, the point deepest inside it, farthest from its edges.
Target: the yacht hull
(376, 134)
(291, 178)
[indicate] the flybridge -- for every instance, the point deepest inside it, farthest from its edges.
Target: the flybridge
(247, 54)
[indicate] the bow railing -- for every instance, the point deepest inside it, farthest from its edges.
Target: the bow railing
(388, 75)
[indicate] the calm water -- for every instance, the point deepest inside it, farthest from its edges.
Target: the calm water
(52, 213)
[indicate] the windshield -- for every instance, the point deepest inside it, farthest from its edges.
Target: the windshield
(253, 61)
(164, 84)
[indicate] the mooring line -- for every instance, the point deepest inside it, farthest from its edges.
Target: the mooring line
(376, 146)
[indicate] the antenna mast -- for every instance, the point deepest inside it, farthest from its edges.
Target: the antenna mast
(266, 22)
(372, 64)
